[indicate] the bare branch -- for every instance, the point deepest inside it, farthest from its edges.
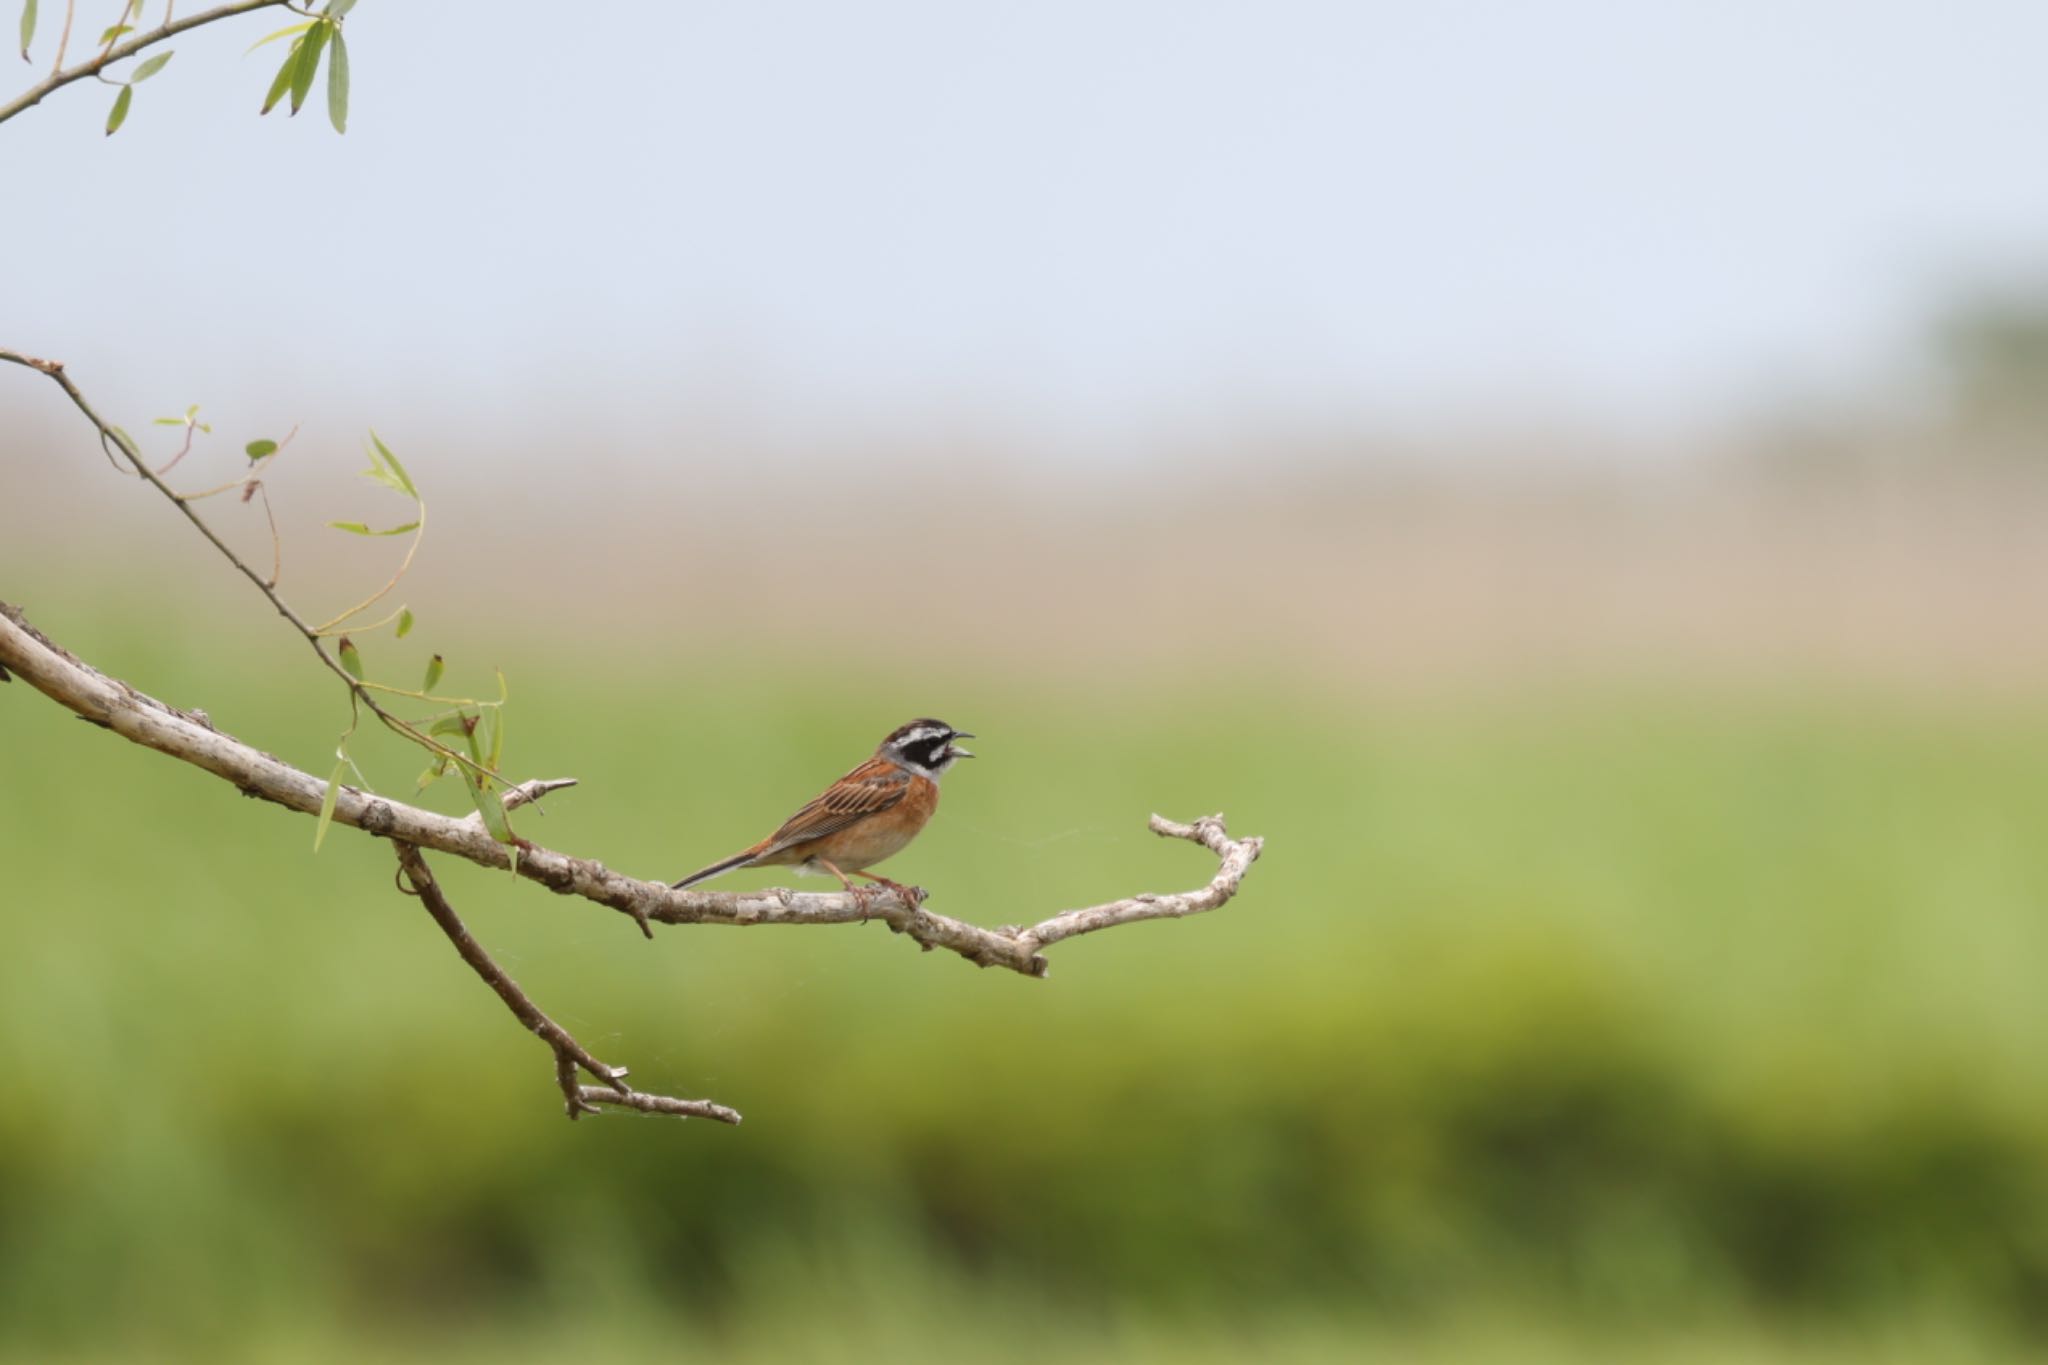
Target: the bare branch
(1237, 856)
(190, 736)
(120, 52)
(569, 1054)
(527, 794)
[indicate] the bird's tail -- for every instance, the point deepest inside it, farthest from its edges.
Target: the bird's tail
(707, 873)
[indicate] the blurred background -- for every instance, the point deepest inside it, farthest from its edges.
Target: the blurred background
(1570, 476)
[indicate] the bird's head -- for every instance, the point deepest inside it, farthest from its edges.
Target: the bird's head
(925, 746)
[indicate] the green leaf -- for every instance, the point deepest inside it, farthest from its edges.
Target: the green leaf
(404, 479)
(483, 740)
(404, 622)
(310, 49)
(168, 421)
(256, 450)
(150, 68)
(458, 724)
(337, 8)
(489, 805)
(28, 26)
(283, 82)
(435, 771)
(351, 658)
(434, 667)
(120, 111)
(337, 85)
(327, 803)
(285, 32)
(497, 738)
(115, 32)
(356, 528)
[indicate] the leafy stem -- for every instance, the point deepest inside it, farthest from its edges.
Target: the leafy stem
(117, 51)
(482, 734)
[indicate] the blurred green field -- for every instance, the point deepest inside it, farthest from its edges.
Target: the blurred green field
(1605, 1024)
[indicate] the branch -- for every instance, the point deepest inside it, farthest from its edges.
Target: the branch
(120, 52)
(191, 737)
(569, 1054)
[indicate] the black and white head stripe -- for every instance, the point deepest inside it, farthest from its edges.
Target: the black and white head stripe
(926, 745)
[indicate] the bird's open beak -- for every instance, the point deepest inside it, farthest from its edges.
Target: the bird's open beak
(957, 750)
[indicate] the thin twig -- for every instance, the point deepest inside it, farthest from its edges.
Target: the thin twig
(183, 450)
(63, 38)
(119, 52)
(276, 541)
(577, 1099)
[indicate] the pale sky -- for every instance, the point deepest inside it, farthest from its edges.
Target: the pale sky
(1088, 218)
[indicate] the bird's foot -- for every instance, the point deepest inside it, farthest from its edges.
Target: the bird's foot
(912, 896)
(863, 901)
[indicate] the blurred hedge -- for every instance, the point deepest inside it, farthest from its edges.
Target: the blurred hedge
(1627, 1007)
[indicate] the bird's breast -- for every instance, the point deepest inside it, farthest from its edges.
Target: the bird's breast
(885, 833)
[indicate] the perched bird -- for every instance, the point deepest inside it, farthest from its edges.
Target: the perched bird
(864, 817)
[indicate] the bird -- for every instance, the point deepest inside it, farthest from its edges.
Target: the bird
(866, 816)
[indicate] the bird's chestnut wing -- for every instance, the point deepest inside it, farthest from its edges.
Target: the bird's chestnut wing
(870, 789)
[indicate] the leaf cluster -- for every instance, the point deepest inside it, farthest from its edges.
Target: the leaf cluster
(317, 37)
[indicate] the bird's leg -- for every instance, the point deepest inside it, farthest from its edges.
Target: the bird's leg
(912, 896)
(861, 894)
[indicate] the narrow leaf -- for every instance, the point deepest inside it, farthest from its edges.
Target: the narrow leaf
(435, 771)
(434, 667)
(120, 111)
(351, 658)
(404, 478)
(357, 528)
(483, 740)
(310, 49)
(327, 804)
(489, 805)
(404, 622)
(285, 32)
(337, 85)
(453, 725)
(168, 421)
(337, 8)
(256, 450)
(28, 26)
(116, 31)
(497, 738)
(150, 68)
(283, 82)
